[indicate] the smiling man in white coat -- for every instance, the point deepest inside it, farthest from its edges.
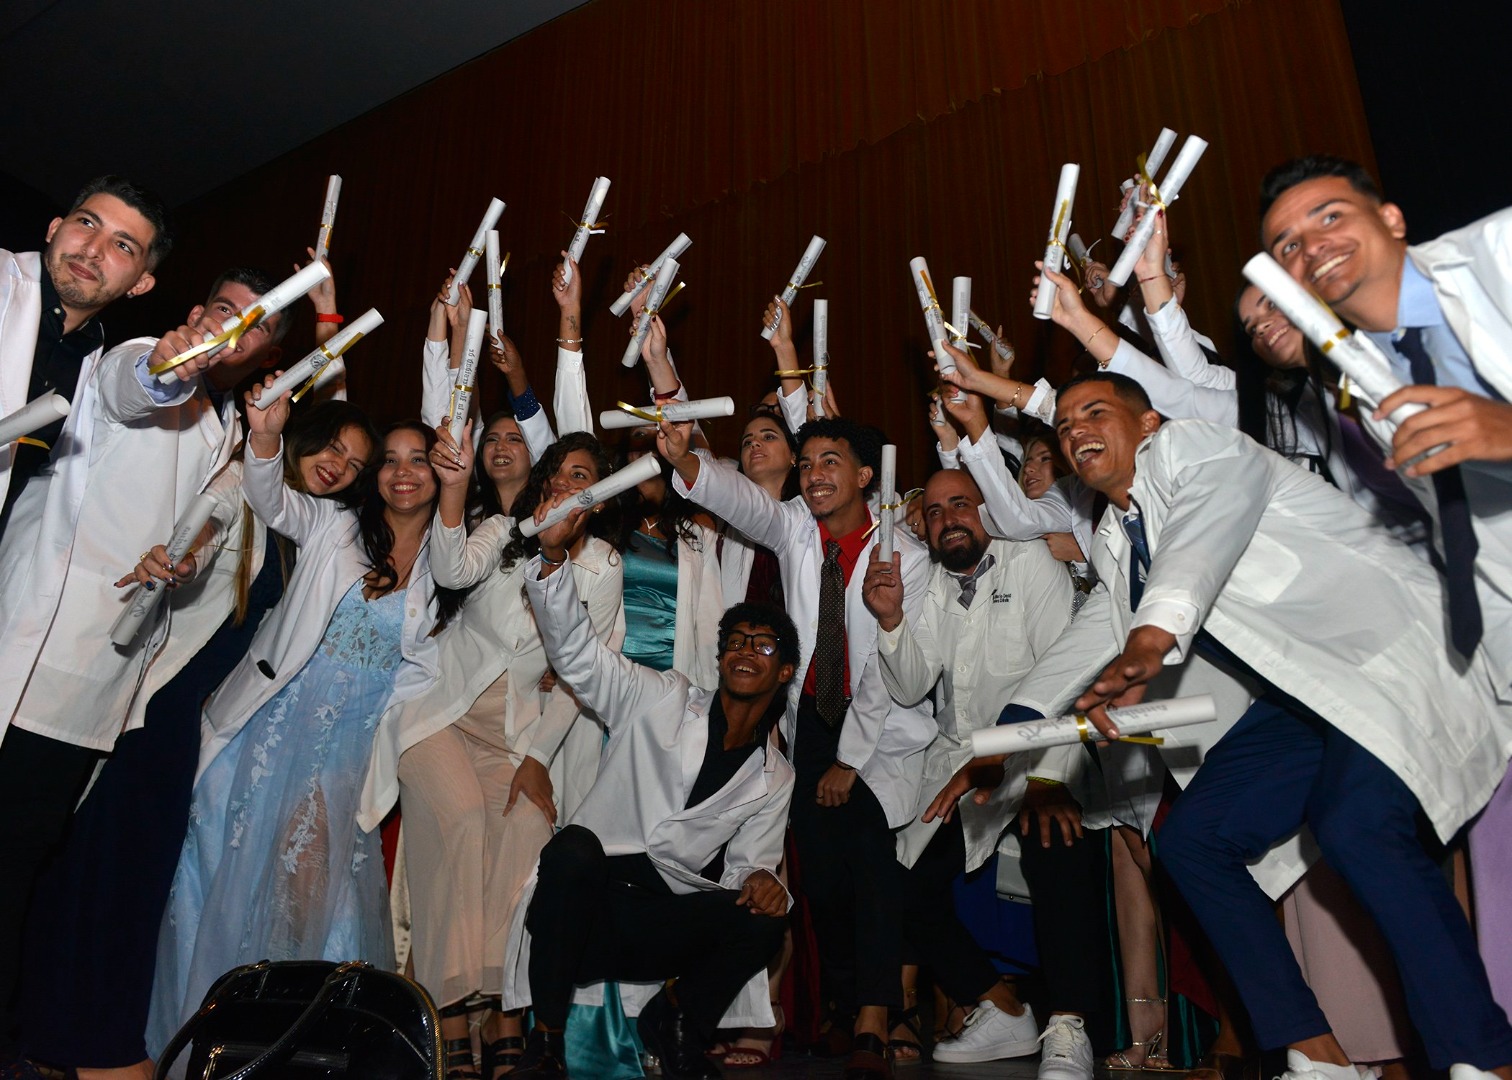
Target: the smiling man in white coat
(1215, 546)
(857, 752)
(668, 869)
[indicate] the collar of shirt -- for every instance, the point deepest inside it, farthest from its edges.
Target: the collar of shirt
(851, 545)
(1416, 304)
(972, 579)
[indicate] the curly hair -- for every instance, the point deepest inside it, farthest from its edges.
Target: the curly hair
(605, 524)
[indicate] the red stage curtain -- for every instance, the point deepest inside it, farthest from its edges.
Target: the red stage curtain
(893, 128)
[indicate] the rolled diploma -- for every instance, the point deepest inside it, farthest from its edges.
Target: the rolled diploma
(1170, 187)
(934, 320)
(637, 472)
(664, 278)
(328, 218)
(674, 251)
(1153, 161)
(33, 416)
(336, 369)
(467, 374)
(1064, 730)
(999, 346)
(800, 275)
(673, 411)
(821, 355)
(581, 233)
(1078, 248)
(960, 318)
(300, 373)
(1060, 228)
(143, 601)
(887, 493)
(492, 271)
(474, 250)
(1354, 353)
(273, 301)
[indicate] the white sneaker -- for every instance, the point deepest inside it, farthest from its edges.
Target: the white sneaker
(991, 1034)
(1300, 1067)
(1066, 1052)
(1469, 1072)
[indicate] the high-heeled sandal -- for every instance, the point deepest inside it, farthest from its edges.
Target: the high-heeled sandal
(459, 1060)
(1154, 1048)
(504, 1052)
(905, 1051)
(869, 1059)
(757, 1056)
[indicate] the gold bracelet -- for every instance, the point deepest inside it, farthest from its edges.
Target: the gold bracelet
(1016, 392)
(1093, 338)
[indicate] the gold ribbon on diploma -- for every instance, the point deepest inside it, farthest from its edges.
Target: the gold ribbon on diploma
(654, 418)
(934, 301)
(27, 440)
(960, 341)
(330, 359)
(810, 285)
(1089, 733)
(1057, 242)
(1156, 203)
(245, 321)
(595, 228)
(903, 500)
(665, 300)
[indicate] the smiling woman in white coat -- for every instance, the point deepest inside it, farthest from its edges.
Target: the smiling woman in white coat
(275, 850)
(476, 748)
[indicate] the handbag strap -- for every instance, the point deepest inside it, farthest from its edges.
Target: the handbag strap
(318, 1004)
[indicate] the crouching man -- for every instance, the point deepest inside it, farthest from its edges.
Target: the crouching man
(668, 868)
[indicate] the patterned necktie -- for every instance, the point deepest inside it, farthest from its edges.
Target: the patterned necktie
(829, 649)
(969, 582)
(1139, 558)
(1455, 527)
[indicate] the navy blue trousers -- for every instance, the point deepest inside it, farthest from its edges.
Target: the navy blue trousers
(1277, 768)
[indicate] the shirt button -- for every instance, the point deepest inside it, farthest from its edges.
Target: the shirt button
(963, 668)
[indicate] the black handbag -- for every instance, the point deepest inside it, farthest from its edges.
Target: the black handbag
(311, 1020)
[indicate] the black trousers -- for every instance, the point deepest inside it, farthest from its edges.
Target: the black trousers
(595, 917)
(1069, 887)
(934, 937)
(40, 781)
(850, 876)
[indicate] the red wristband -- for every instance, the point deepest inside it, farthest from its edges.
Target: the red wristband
(668, 396)
(331, 317)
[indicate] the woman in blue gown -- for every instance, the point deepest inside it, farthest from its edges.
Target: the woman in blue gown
(274, 856)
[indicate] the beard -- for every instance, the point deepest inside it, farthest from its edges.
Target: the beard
(71, 290)
(961, 558)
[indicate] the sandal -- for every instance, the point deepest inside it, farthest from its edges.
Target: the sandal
(754, 1057)
(459, 1060)
(905, 1050)
(1153, 1057)
(870, 1059)
(504, 1052)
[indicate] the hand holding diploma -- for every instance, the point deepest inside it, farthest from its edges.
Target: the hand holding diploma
(821, 357)
(467, 374)
(887, 507)
(176, 559)
(1153, 161)
(637, 472)
(306, 373)
(1170, 187)
(558, 524)
(265, 422)
(636, 286)
(659, 292)
(673, 412)
(1060, 228)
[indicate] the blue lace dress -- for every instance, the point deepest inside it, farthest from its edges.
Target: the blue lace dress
(274, 865)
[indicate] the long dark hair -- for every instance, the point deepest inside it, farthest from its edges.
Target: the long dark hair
(482, 496)
(378, 539)
(1270, 397)
(309, 432)
(774, 414)
(606, 524)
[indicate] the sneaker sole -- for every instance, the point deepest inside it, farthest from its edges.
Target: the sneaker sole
(949, 1056)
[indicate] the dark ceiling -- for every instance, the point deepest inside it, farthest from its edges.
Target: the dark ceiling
(184, 95)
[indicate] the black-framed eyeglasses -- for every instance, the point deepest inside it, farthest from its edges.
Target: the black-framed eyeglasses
(761, 644)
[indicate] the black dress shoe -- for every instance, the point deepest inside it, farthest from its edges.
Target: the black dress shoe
(664, 1032)
(545, 1057)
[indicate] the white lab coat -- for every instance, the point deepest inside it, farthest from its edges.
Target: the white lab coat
(1298, 582)
(881, 739)
(970, 660)
(496, 633)
(658, 731)
(127, 467)
(331, 560)
(1065, 507)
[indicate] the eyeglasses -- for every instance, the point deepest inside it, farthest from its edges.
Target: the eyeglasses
(765, 408)
(762, 644)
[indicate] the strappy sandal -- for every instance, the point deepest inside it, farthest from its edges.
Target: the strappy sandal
(459, 1060)
(905, 1051)
(755, 1057)
(504, 1052)
(870, 1059)
(1154, 1059)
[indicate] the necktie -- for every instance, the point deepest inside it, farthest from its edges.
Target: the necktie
(829, 650)
(1460, 545)
(1139, 558)
(969, 582)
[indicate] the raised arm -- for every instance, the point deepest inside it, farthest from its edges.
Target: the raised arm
(284, 510)
(1015, 516)
(723, 492)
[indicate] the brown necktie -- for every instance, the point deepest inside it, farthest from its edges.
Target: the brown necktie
(829, 649)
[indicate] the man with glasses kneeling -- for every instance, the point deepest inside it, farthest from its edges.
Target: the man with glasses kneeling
(668, 868)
